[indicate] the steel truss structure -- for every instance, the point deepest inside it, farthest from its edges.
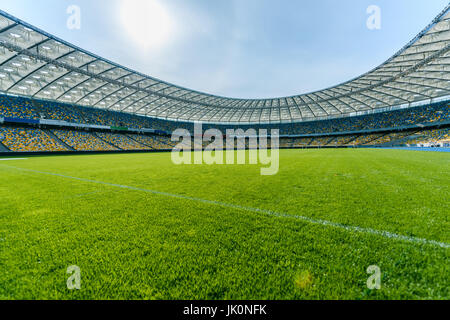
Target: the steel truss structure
(36, 64)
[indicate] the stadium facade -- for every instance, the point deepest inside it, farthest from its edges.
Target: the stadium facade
(58, 97)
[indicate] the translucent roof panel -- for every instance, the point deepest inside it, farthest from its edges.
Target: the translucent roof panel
(36, 64)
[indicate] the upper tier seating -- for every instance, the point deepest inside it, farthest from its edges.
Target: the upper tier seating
(11, 107)
(55, 111)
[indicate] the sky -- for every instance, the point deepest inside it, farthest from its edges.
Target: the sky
(237, 48)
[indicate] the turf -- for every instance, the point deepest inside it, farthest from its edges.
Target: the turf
(135, 244)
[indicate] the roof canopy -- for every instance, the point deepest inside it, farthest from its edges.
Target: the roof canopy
(36, 64)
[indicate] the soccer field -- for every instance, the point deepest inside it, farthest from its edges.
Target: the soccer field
(140, 227)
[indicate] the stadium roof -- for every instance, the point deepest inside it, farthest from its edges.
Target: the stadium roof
(36, 64)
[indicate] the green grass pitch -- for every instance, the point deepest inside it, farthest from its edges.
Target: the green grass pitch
(132, 243)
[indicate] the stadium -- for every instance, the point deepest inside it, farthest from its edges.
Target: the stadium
(88, 181)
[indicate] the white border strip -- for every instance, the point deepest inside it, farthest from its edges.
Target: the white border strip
(385, 234)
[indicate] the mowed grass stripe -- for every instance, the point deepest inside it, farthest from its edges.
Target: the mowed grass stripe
(322, 222)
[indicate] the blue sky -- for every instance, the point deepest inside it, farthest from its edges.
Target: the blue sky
(237, 48)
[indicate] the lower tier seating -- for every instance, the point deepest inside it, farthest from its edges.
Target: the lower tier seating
(153, 142)
(121, 141)
(27, 139)
(83, 141)
(431, 137)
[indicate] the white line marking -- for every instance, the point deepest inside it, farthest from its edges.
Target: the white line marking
(384, 234)
(13, 159)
